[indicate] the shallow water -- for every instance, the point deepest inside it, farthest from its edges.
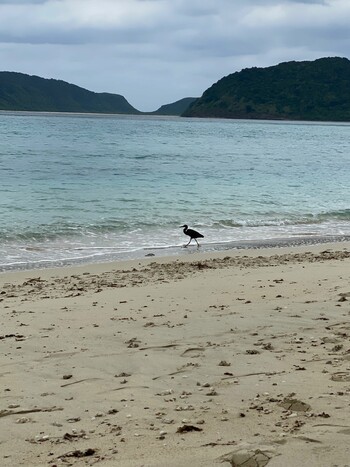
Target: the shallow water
(96, 188)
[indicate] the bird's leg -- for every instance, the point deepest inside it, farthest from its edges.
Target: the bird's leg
(188, 243)
(198, 245)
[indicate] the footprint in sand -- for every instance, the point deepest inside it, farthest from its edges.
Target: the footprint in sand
(193, 352)
(249, 456)
(341, 377)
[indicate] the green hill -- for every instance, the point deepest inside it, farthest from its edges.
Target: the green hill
(19, 91)
(176, 108)
(309, 90)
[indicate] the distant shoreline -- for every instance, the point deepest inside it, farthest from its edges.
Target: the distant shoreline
(153, 115)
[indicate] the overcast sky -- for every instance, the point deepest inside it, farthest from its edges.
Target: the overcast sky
(154, 52)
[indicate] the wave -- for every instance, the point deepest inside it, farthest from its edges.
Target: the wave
(69, 230)
(110, 228)
(342, 214)
(286, 220)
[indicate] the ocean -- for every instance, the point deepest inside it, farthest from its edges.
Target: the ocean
(77, 188)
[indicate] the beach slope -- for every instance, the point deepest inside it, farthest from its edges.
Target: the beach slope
(201, 360)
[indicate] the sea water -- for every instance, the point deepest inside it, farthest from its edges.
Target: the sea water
(84, 188)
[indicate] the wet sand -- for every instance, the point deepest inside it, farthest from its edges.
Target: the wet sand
(203, 360)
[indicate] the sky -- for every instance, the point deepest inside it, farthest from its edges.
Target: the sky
(155, 52)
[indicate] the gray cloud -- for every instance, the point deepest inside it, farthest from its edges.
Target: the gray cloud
(156, 51)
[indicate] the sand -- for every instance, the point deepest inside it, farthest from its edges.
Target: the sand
(235, 358)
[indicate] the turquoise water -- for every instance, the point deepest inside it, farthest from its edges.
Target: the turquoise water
(87, 187)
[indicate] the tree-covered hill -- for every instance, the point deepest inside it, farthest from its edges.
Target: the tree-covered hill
(175, 108)
(309, 90)
(19, 91)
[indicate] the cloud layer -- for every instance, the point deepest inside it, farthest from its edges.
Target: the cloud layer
(156, 51)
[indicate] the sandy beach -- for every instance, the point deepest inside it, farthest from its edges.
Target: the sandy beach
(233, 358)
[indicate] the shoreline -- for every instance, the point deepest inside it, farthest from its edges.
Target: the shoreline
(153, 113)
(192, 360)
(178, 251)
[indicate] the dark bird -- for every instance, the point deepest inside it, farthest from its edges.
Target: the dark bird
(192, 234)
